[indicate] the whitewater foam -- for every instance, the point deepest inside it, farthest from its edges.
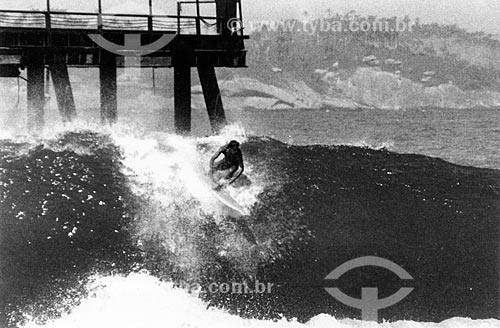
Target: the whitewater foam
(140, 300)
(375, 145)
(173, 165)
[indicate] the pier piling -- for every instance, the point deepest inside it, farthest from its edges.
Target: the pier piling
(35, 92)
(107, 78)
(212, 95)
(182, 97)
(63, 90)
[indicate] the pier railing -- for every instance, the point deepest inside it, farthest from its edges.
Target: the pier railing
(181, 24)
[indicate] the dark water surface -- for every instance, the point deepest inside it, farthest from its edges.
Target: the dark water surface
(68, 210)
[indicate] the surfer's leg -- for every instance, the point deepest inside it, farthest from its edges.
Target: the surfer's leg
(218, 170)
(231, 172)
(219, 175)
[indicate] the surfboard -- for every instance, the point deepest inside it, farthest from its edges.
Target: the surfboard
(224, 197)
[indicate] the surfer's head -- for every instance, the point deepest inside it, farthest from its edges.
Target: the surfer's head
(234, 144)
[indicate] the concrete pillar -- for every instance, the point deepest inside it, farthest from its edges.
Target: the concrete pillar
(35, 92)
(107, 78)
(213, 99)
(64, 92)
(182, 97)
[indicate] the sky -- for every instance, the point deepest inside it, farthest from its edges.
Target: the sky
(473, 15)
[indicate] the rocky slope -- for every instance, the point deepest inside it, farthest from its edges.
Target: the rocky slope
(250, 93)
(368, 87)
(385, 90)
(440, 66)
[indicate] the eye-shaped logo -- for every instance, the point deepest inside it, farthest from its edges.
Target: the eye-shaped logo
(234, 25)
(132, 48)
(369, 304)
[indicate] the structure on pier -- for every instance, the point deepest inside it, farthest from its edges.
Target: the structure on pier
(35, 40)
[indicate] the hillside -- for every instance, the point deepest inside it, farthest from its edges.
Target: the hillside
(429, 66)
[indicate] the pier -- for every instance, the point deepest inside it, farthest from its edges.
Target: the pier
(52, 41)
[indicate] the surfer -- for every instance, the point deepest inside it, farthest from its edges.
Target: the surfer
(232, 161)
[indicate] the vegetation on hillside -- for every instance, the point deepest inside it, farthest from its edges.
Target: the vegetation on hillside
(432, 54)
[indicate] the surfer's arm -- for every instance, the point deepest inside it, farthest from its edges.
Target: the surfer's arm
(238, 175)
(212, 160)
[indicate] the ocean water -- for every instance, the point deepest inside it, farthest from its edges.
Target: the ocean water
(462, 136)
(106, 226)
